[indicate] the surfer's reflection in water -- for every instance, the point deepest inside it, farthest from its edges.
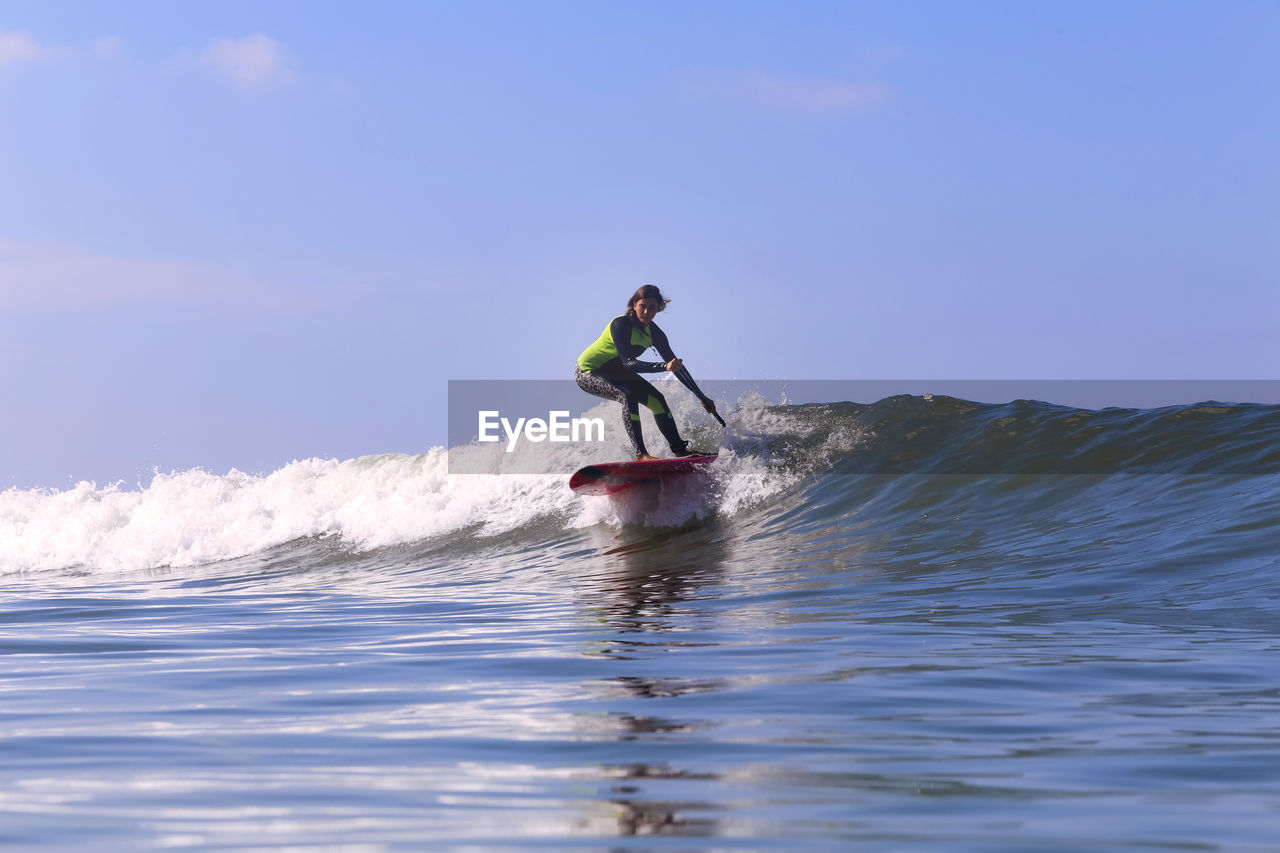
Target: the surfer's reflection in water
(645, 596)
(610, 368)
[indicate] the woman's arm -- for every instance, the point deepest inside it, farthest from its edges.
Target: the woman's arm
(676, 366)
(620, 329)
(662, 345)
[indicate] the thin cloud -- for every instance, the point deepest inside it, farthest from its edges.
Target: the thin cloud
(35, 277)
(814, 95)
(106, 47)
(883, 53)
(38, 277)
(18, 48)
(252, 62)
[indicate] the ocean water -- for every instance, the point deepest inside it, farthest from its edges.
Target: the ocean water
(919, 624)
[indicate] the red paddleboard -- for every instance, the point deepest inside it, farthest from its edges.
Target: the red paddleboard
(609, 478)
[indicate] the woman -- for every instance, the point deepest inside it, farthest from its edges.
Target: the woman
(609, 368)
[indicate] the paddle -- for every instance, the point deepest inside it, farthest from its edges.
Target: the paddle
(707, 403)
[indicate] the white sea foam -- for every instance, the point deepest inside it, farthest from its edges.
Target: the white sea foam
(192, 517)
(195, 516)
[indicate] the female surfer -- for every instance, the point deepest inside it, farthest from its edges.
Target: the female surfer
(609, 368)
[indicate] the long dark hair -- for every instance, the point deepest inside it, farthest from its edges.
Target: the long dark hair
(648, 291)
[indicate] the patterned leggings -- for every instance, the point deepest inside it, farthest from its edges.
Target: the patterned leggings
(631, 392)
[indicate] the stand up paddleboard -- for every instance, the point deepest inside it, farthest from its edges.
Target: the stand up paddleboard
(610, 478)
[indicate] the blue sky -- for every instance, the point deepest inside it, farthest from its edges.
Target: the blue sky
(235, 234)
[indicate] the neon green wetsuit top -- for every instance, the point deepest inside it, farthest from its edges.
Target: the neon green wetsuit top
(619, 344)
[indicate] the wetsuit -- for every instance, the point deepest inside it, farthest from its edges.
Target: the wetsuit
(609, 369)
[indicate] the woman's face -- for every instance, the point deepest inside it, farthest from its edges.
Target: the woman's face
(646, 310)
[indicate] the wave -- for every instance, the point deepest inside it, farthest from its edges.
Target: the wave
(944, 435)
(780, 465)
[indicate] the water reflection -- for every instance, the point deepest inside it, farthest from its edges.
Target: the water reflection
(638, 816)
(645, 602)
(648, 578)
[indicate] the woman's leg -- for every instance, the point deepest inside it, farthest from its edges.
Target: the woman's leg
(599, 386)
(641, 390)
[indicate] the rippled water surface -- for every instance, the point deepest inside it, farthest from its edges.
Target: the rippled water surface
(942, 662)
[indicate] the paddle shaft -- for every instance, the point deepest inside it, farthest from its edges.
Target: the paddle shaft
(683, 375)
